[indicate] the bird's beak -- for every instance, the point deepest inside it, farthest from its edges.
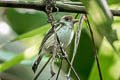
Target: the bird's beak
(74, 20)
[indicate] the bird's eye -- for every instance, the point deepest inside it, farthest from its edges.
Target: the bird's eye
(67, 19)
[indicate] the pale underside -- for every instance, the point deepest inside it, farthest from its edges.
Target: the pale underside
(65, 35)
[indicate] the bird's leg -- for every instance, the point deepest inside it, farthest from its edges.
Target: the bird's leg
(54, 51)
(65, 55)
(52, 66)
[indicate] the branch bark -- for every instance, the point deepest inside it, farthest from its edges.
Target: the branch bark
(63, 7)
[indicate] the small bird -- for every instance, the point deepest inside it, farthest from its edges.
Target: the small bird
(64, 30)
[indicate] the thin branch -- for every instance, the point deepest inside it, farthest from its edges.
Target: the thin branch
(116, 12)
(59, 69)
(77, 39)
(63, 7)
(66, 58)
(37, 75)
(22, 4)
(74, 3)
(41, 6)
(76, 15)
(94, 47)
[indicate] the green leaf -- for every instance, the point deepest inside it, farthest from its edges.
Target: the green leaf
(34, 36)
(112, 2)
(101, 19)
(84, 58)
(39, 31)
(24, 20)
(109, 63)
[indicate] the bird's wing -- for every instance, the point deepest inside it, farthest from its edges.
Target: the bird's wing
(48, 34)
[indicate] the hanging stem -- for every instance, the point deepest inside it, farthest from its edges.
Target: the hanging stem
(77, 39)
(66, 58)
(94, 47)
(59, 69)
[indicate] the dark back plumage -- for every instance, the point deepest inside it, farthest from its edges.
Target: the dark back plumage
(48, 34)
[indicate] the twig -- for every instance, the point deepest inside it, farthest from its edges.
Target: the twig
(94, 48)
(41, 6)
(115, 12)
(37, 75)
(74, 3)
(66, 58)
(59, 69)
(76, 15)
(77, 39)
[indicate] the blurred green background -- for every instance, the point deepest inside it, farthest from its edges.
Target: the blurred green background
(28, 27)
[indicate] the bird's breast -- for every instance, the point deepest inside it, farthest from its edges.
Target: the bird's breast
(65, 35)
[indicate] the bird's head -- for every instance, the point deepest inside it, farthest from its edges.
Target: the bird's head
(68, 20)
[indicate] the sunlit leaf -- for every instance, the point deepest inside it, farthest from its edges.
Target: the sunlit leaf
(29, 52)
(101, 19)
(109, 63)
(40, 31)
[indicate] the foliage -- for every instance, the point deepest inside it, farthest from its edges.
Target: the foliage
(30, 27)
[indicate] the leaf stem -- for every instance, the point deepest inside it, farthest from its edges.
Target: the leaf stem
(66, 58)
(77, 39)
(94, 48)
(59, 69)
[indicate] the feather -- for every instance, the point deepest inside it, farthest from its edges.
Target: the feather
(49, 33)
(47, 36)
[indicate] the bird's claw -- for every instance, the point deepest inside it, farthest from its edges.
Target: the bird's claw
(64, 56)
(52, 74)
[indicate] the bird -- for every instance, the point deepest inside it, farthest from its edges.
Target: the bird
(64, 29)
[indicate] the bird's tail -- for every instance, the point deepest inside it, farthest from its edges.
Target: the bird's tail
(36, 63)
